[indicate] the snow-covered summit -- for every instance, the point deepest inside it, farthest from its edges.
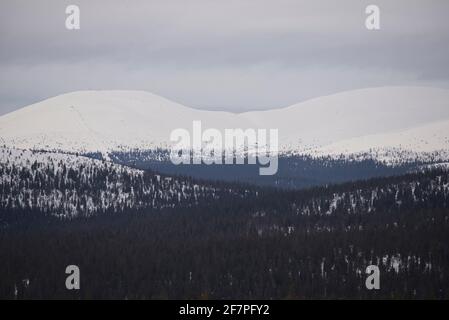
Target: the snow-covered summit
(412, 118)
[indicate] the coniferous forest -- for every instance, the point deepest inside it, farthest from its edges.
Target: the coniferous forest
(216, 240)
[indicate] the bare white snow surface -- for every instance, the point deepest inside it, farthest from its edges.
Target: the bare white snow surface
(412, 119)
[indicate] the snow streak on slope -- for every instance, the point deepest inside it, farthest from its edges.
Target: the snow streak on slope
(413, 119)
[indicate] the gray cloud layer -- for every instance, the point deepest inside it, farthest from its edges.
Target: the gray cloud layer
(234, 55)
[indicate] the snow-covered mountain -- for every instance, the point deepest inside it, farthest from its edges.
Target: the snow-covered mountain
(429, 140)
(415, 119)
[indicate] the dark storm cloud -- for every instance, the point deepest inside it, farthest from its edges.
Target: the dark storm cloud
(235, 55)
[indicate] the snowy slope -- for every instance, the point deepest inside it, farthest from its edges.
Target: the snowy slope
(101, 121)
(70, 185)
(424, 139)
(412, 118)
(330, 119)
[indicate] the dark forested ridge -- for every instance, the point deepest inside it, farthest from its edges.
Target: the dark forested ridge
(294, 171)
(262, 243)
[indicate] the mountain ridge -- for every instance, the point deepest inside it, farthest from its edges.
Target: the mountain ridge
(103, 121)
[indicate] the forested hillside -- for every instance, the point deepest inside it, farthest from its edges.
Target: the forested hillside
(72, 185)
(314, 243)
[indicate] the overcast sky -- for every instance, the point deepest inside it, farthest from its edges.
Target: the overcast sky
(230, 54)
